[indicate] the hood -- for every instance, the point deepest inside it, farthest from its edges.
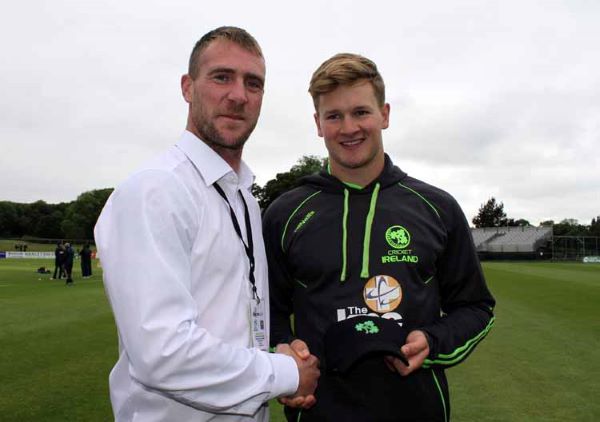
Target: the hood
(324, 181)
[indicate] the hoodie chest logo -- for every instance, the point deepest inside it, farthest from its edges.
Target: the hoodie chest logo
(398, 237)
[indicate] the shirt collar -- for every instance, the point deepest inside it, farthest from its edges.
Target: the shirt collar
(210, 164)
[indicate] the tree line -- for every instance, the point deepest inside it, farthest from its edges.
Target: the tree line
(491, 214)
(76, 219)
(66, 220)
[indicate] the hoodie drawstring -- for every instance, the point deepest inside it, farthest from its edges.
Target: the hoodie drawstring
(367, 239)
(364, 273)
(345, 237)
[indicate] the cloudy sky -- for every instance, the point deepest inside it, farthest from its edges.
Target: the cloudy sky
(488, 98)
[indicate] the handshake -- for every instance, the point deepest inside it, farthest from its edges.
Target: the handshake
(308, 370)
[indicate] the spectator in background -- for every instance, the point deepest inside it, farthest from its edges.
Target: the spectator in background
(86, 261)
(59, 260)
(68, 266)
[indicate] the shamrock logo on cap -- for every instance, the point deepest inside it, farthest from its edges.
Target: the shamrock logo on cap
(368, 327)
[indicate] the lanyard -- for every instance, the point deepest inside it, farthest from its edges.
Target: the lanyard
(249, 248)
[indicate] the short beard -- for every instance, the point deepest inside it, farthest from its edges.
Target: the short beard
(212, 137)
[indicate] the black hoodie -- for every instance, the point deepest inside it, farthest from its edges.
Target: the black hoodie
(329, 244)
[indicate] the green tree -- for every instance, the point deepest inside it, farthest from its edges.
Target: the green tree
(491, 214)
(23, 220)
(570, 227)
(8, 218)
(39, 213)
(595, 226)
(283, 182)
(521, 222)
(82, 214)
(49, 226)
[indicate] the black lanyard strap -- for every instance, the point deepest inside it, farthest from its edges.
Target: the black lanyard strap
(249, 248)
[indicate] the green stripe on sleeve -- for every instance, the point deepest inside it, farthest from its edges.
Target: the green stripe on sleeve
(460, 353)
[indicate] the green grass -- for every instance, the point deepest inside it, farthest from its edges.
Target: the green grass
(540, 362)
(58, 345)
(542, 359)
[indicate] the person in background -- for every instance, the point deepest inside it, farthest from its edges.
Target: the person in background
(59, 260)
(68, 263)
(85, 255)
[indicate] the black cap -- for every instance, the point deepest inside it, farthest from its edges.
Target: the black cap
(350, 340)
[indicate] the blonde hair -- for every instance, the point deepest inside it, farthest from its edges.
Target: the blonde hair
(346, 69)
(231, 33)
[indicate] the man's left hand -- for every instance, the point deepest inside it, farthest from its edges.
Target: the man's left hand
(415, 350)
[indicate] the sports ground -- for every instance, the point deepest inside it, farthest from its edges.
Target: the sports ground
(541, 361)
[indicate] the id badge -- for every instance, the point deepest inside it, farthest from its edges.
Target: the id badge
(259, 328)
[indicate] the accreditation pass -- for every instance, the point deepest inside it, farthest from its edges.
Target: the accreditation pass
(259, 328)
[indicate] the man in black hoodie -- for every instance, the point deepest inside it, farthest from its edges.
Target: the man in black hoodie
(362, 238)
(68, 265)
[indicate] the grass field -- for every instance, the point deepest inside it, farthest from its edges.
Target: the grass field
(541, 362)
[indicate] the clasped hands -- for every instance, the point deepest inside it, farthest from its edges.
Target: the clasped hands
(308, 369)
(416, 349)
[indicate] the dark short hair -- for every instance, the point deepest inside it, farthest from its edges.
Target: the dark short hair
(346, 69)
(231, 33)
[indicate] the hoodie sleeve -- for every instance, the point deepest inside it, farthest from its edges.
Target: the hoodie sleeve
(467, 304)
(280, 281)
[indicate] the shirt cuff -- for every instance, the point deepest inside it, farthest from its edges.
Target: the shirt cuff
(286, 377)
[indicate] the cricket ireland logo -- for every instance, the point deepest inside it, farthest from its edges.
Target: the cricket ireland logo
(397, 237)
(368, 327)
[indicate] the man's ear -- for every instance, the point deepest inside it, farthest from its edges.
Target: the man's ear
(385, 112)
(318, 123)
(187, 88)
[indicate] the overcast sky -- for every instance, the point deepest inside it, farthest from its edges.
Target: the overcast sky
(488, 98)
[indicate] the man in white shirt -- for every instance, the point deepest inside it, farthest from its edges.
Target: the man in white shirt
(184, 263)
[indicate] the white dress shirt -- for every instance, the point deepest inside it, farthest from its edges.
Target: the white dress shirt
(176, 275)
